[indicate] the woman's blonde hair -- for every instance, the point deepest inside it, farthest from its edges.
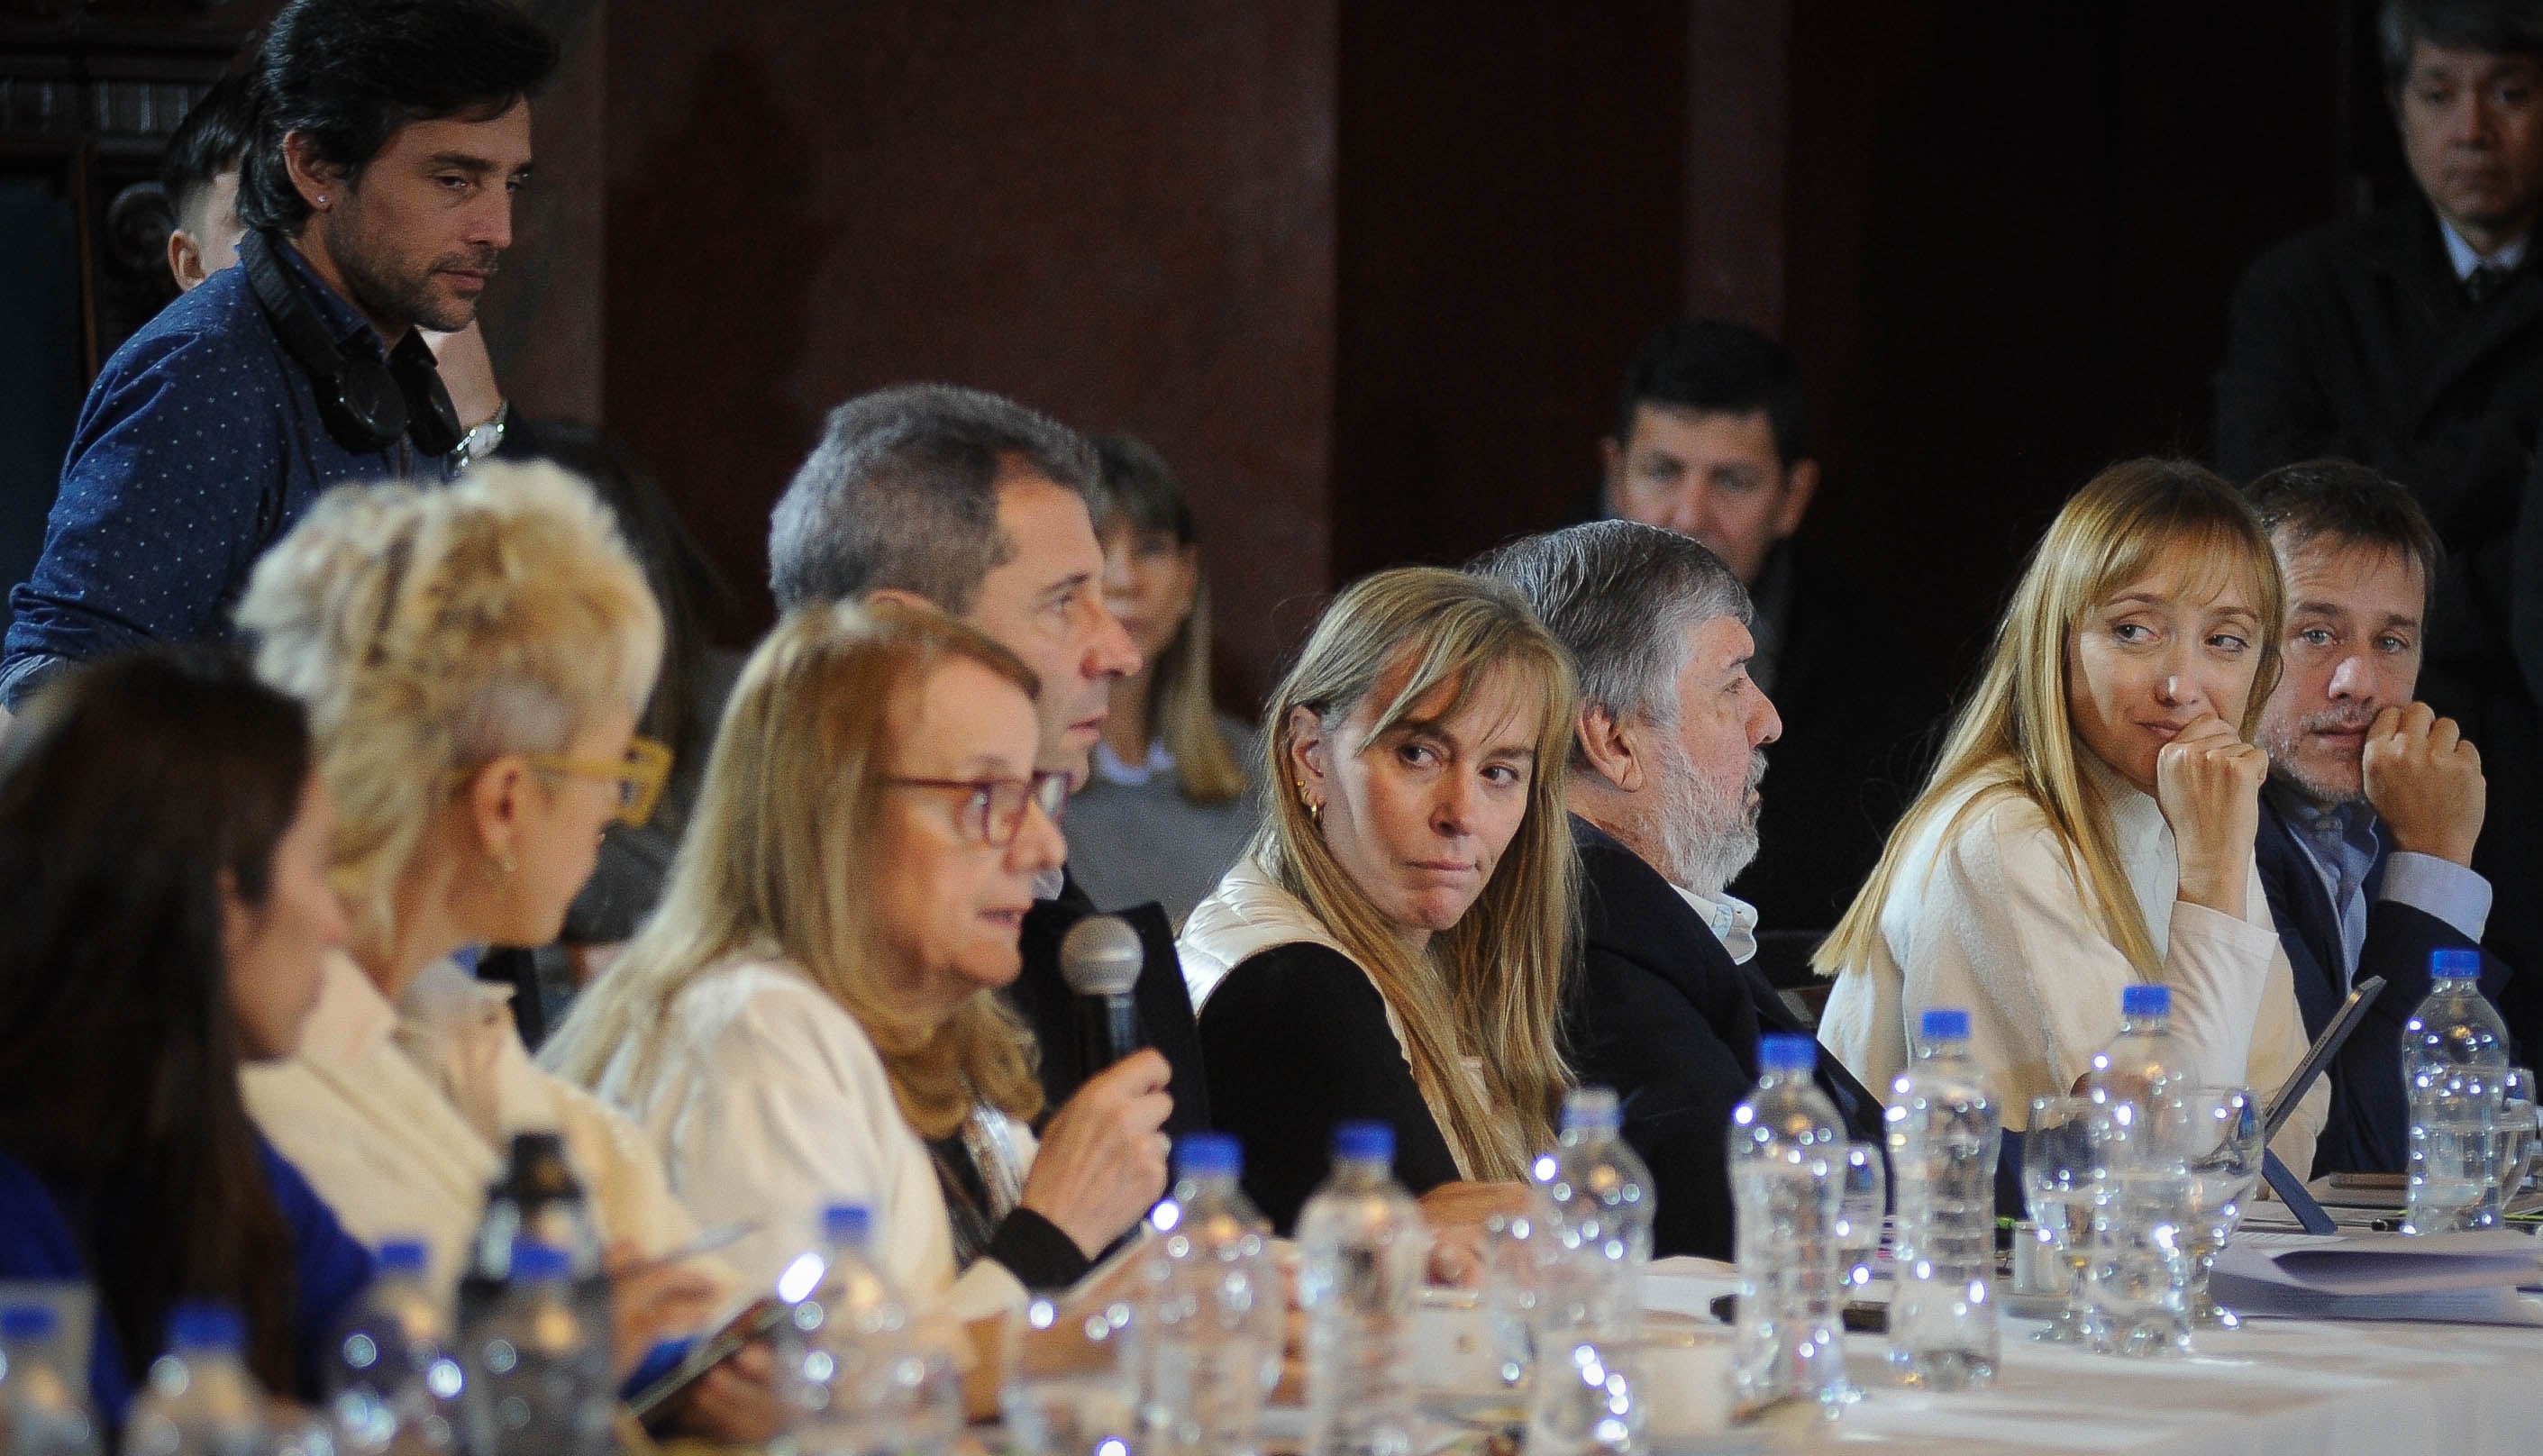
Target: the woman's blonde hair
(2016, 733)
(1491, 986)
(779, 854)
(433, 629)
(1135, 488)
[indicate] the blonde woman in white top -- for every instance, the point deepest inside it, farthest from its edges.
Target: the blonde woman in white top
(473, 658)
(2091, 819)
(813, 1014)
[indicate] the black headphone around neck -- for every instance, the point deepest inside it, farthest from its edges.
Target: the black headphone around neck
(366, 404)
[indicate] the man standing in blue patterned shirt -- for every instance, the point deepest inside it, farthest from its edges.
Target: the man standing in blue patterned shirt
(376, 190)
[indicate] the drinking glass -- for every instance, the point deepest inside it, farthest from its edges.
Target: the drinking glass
(2518, 1132)
(2057, 1186)
(1069, 1388)
(2139, 1273)
(1861, 1215)
(2219, 1136)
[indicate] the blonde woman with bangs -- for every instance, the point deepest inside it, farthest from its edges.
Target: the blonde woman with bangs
(1393, 944)
(813, 1014)
(473, 658)
(2090, 822)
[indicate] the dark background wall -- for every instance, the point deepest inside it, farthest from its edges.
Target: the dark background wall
(1120, 211)
(1367, 274)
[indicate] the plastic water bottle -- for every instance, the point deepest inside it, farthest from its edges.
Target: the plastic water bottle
(538, 1200)
(2454, 1058)
(538, 1379)
(1212, 1308)
(200, 1399)
(1786, 1145)
(2138, 1280)
(851, 1366)
(2144, 1061)
(1364, 1249)
(1594, 1205)
(44, 1407)
(393, 1382)
(1945, 1133)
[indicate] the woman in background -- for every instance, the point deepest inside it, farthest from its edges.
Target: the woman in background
(163, 877)
(1393, 944)
(2090, 822)
(1166, 808)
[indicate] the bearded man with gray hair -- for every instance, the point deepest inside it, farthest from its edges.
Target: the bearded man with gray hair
(1667, 756)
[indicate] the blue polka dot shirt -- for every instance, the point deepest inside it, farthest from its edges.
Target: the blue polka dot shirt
(199, 445)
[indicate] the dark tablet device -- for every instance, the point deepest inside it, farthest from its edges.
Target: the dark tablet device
(2324, 1047)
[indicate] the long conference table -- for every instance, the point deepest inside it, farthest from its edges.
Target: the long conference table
(2336, 1388)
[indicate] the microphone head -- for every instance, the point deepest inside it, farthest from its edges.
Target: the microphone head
(1101, 955)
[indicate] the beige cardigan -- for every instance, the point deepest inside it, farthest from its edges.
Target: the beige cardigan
(1995, 920)
(398, 1115)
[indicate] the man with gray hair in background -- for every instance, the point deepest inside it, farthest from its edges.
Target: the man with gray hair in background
(974, 504)
(1667, 758)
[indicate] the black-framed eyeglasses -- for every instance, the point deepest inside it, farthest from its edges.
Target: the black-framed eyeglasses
(992, 812)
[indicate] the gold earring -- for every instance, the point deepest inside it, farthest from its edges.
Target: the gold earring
(1315, 810)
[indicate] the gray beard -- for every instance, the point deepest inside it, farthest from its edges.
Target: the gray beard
(1706, 836)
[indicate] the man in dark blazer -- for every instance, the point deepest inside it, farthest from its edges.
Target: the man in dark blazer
(1712, 440)
(2374, 803)
(2411, 342)
(1666, 766)
(971, 504)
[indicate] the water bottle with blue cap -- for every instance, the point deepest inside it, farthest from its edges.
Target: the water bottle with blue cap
(393, 1380)
(200, 1399)
(1944, 1132)
(44, 1394)
(2454, 1065)
(1594, 1202)
(1787, 1144)
(1212, 1307)
(1363, 1248)
(538, 1375)
(852, 1364)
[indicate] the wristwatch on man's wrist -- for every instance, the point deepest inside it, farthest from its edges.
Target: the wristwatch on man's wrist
(481, 442)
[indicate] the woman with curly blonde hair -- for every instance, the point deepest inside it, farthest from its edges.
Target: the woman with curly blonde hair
(473, 658)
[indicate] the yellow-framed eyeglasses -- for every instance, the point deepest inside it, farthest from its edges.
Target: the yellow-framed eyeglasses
(640, 776)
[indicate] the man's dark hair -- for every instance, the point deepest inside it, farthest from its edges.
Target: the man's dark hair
(1721, 368)
(2348, 504)
(902, 492)
(2498, 26)
(207, 143)
(350, 72)
(1619, 595)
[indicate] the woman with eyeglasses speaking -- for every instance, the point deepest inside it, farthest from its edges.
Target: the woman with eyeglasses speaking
(811, 1014)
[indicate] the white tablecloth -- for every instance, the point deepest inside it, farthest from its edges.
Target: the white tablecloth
(2337, 1389)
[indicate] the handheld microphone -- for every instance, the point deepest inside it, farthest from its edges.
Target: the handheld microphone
(1100, 959)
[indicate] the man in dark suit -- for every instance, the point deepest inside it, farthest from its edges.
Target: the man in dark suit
(1664, 787)
(1712, 442)
(2375, 802)
(2411, 342)
(977, 506)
